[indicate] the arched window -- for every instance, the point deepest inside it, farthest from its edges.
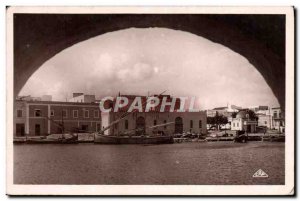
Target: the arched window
(178, 125)
(191, 124)
(140, 125)
(155, 122)
(126, 124)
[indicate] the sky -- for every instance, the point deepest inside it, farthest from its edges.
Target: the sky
(149, 61)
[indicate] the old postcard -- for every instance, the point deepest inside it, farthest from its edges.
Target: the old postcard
(150, 101)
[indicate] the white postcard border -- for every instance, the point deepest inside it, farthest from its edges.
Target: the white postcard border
(288, 188)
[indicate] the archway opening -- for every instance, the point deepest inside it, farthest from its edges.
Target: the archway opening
(178, 125)
(139, 61)
(263, 44)
(140, 126)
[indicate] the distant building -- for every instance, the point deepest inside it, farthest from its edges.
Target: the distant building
(225, 111)
(272, 119)
(29, 98)
(278, 119)
(82, 98)
(258, 108)
(20, 118)
(265, 120)
(37, 118)
(242, 122)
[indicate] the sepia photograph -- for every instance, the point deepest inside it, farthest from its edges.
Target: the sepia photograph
(150, 100)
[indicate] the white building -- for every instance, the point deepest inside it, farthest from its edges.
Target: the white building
(82, 98)
(242, 122)
(272, 119)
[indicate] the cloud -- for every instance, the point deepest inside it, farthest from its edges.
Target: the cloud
(138, 61)
(139, 71)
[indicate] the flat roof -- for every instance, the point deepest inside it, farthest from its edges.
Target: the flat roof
(58, 102)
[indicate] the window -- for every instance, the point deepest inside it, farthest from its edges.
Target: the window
(37, 113)
(52, 113)
(86, 114)
(237, 124)
(64, 113)
(19, 113)
(155, 122)
(75, 113)
(126, 124)
(275, 114)
(233, 124)
(96, 113)
(98, 127)
(200, 124)
(85, 127)
(191, 124)
(165, 126)
(265, 122)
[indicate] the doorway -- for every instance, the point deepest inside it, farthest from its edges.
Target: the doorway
(178, 125)
(20, 130)
(140, 126)
(37, 129)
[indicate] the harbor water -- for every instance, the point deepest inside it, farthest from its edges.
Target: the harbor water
(205, 163)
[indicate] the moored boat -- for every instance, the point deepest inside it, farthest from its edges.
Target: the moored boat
(63, 140)
(106, 139)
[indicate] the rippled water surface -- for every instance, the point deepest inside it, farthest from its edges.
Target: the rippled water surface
(186, 163)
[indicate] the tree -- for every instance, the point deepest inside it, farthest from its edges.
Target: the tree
(233, 115)
(252, 115)
(217, 120)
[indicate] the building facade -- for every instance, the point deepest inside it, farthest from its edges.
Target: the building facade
(242, 122)
(193, 122)
(273, 119)
(225, 111)
(140, 122)
(35, 118)
(265, 120)
(20, 118)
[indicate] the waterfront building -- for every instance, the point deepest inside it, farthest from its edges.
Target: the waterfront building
(278, 119)
(265, 120)
(259, 108)
(272, 119)
(194, 122)
(20, 118)
(243, 122)
(37, 118)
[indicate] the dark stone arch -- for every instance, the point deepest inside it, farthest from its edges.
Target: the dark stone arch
(259, 38)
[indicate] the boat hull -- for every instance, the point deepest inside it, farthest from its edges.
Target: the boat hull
(72, 140)
(50, 142)
(105, 139)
